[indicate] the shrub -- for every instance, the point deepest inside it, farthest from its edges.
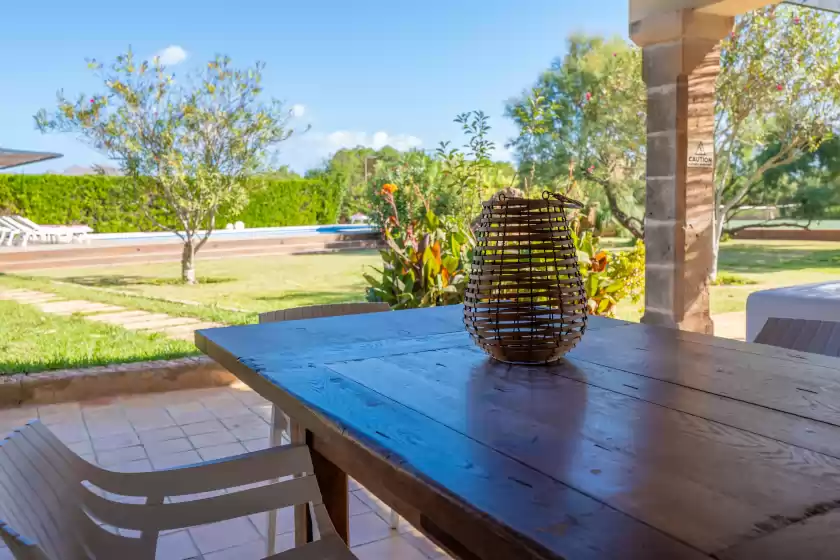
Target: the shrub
(609, 277)
(109, 204)
(426, 262)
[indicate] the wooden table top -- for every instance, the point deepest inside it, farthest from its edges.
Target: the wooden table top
(643, 443)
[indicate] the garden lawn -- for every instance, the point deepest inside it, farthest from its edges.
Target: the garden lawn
(33, 341)
(250, 284)
(763, 265)
(254, 284)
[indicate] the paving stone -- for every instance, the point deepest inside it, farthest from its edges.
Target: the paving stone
(118, 318)
(160, 324)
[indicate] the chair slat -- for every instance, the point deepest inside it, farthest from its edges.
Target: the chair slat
(163, 517)
(803, 338)
(28, 502)
(52, 500)
(56, 517)
(818, 337)
(256, 466)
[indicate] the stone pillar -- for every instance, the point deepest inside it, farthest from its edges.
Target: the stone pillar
(681, 63)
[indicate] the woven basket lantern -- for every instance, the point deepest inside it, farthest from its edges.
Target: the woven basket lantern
(525, 301)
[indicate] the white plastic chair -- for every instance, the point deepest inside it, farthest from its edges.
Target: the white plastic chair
(279, 420)
(55, 505)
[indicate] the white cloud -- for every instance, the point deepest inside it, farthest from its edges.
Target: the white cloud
(298, 110)
(378, 140)
(310, 149)
(172, 55)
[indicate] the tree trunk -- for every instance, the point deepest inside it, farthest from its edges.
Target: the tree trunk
(188, 262)
(717, 234)
(715, 252)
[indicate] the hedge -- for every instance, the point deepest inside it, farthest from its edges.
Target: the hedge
(107, 205)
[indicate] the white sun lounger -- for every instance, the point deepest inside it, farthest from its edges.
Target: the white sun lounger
(51, 234)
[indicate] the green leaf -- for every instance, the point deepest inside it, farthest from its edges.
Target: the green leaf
(591, 285)
(450, 263)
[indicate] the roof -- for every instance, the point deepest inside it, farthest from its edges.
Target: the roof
(13, 158)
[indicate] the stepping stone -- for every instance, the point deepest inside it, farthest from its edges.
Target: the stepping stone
(77, 306)
(159, 324)
(131, 322)
(34, 298)
(185, 332)
(118, 318)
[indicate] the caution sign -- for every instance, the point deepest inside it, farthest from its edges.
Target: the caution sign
(701, 154)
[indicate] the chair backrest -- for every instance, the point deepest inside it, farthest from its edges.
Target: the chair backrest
(56, 506)
(11, 224)
(26, 221)
(16, 220)
(315, 311)
(817, 337)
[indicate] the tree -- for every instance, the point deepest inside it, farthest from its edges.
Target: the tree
(779, 86)
(188, 147)
(778, 97)
(586, 117)
(352, 168)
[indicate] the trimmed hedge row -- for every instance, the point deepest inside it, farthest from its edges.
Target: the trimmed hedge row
(107, 205)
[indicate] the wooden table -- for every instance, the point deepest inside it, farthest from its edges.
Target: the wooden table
(644, 443)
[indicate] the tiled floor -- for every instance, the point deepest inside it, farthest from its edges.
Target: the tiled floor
(157, 431)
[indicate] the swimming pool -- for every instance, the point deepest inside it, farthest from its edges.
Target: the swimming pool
(250, 233)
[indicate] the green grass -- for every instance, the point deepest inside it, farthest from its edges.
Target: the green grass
(234, 290)
(206, 312)
(749, 266)
(252, 284)
(33, 341)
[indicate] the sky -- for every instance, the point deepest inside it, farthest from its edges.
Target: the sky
(364, 72)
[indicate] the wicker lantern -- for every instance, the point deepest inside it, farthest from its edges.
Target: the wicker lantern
(525, 301)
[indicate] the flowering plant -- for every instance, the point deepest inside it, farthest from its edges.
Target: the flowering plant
(426, 261)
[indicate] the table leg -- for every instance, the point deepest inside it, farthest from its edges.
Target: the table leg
(334, 490)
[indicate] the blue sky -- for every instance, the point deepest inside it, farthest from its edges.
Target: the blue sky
(359, 72)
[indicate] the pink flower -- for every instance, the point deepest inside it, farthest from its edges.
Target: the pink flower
(591, 168)
(615, 54)
(780, 87)
(796, 20)
(588, 96)
(92, 100)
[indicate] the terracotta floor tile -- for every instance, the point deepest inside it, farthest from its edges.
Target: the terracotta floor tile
(203, 427)
(161, 434)
(256, 444)
(121, 455)
(367, 527)
(117, 441)
(219, 451)
(212, 438)
(416, 539)
(175, 460)
(70, 433)
(176, 546)
(392, 548)
(167, 447)
(225, 534)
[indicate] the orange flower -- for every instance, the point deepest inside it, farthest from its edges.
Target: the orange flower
(388, 188)
(599, 262)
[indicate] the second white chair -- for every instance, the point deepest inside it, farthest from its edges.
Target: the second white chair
(280, 421)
